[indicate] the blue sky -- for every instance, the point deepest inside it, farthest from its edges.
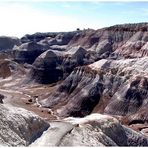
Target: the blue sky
(25, 17)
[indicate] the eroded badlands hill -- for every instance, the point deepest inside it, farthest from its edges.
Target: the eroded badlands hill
(74, 74)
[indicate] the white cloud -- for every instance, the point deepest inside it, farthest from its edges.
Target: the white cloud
(17, 20)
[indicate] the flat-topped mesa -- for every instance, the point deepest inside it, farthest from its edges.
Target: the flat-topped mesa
(91, 71)
(82, 48)
(127, 40)
(134, 38)
(129, 27)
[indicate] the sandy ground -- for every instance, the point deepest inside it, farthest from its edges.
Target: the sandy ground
(20, 96)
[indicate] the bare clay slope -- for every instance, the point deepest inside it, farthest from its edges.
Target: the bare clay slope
(23, 128)
(116, 42)
(118, 80)
(103, 71)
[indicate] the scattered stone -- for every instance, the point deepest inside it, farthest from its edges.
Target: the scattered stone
(30, 100)
(1, 98)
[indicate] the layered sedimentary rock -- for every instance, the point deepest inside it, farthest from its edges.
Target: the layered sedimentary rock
(44, 36)
(129, 40)
(103, 71)
(116, 42)
(52, 66)
(47, 68)
(33, 45)
(117, 87)
(19, 127)
(93, 130)
(78, 94)
(28, 52)
(4, 68)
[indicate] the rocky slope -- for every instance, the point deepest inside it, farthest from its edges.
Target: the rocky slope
(110, 86)
(52, 66)
(116, 42)
(22, 128)
(76, 74)
(19, 127)
(129, 40)
(99, 130)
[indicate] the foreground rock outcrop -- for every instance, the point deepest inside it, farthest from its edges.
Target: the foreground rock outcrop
(93, 130)
(19, 127)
